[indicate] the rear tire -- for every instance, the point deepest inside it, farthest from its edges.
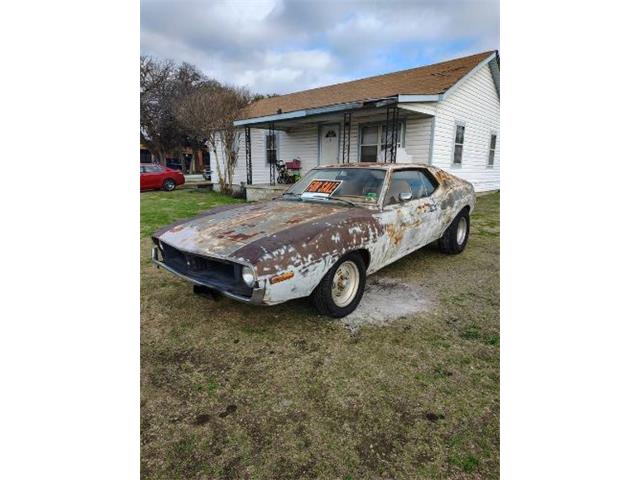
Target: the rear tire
(456, 235)
(169, 185)
(340, 290)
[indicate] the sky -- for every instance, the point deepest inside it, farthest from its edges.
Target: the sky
(282, 46)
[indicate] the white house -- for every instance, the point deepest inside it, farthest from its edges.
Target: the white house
(446, 114)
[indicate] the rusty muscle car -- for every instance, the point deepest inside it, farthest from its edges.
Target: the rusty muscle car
(322, 237)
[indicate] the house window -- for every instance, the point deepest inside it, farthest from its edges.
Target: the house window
(458, 145)
(271, 142)
(369, 142)
(492, 149)
(373, 141)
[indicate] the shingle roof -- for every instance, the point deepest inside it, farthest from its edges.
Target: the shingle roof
(428, 80)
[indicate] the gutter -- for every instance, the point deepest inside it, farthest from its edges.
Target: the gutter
(299, 114)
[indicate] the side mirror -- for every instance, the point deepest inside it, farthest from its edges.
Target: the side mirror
(406, 196)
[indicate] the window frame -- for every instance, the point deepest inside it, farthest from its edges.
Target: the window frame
(425, 172)
(152, 168)
(379, 137)
(491, 161)
(276, 144)
(455, 144)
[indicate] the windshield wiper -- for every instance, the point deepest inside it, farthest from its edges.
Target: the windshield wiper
(292, 195)
(348, 202)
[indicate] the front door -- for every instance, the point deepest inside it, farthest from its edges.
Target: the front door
(329, 142)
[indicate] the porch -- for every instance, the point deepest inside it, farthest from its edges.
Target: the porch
(257, 193)
(391, 130)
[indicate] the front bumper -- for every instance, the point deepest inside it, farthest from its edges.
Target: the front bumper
(257, 294)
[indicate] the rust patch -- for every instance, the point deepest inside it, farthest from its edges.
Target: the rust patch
(237, 236)
(395, 235)
(304, 244)
(294, 220)
(281, 278)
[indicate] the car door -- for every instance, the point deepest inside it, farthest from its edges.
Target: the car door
(410, 212)
(144, 178)
(155, 175)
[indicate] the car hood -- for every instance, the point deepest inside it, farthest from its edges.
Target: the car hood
(221, 232)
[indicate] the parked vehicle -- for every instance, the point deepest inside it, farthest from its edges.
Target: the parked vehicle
(156, 177)
(322, 237)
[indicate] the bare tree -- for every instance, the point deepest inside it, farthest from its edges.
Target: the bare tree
(208, 114)
(163, 85)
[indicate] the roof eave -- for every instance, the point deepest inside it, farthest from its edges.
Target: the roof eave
(419, 98)
(296, 114)
(342, 107)
(468, 75)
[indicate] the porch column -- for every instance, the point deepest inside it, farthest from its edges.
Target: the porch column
(391, 134)
(247, 154)
(272, 161)
(346, 137)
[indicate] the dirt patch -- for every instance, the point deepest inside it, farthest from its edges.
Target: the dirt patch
(229, 410)
(386, 300)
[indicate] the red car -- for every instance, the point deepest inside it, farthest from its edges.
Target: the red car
(155, 177)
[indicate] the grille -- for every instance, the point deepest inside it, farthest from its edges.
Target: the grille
(214, 273)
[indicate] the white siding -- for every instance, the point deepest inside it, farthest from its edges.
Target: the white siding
(299, 143)
(476, 104)
(418, 138)
(302, 142)
(416, 141)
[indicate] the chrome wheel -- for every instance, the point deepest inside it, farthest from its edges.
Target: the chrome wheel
(345, 284)
(462, 230)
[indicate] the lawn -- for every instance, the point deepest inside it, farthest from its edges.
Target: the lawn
(236, 391)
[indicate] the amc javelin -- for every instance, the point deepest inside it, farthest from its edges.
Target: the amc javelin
(322, 237)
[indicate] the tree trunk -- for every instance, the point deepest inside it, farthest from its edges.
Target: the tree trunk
(213, 149)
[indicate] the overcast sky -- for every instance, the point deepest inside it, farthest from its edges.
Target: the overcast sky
(281, 46)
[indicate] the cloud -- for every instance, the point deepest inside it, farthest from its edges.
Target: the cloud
(279, 46)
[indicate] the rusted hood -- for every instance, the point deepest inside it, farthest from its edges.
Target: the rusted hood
(221, 232)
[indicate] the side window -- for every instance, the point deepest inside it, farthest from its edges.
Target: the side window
(429, 184)
(458, 145)
(492, 149)
(404, 181)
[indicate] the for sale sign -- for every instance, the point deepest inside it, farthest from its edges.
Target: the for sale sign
(322, 188)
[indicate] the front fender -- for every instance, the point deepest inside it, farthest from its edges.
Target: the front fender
(309, 250)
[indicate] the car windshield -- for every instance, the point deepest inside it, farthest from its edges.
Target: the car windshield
(352, 184)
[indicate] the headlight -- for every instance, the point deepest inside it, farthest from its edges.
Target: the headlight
(248, 276)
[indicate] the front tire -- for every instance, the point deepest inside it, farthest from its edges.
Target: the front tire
(169, 185)
(456, 235)
(340, 290)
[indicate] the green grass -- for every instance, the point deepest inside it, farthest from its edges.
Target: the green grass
(161, 208)
(235, 391)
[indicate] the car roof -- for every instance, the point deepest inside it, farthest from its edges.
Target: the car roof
(374, 165)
